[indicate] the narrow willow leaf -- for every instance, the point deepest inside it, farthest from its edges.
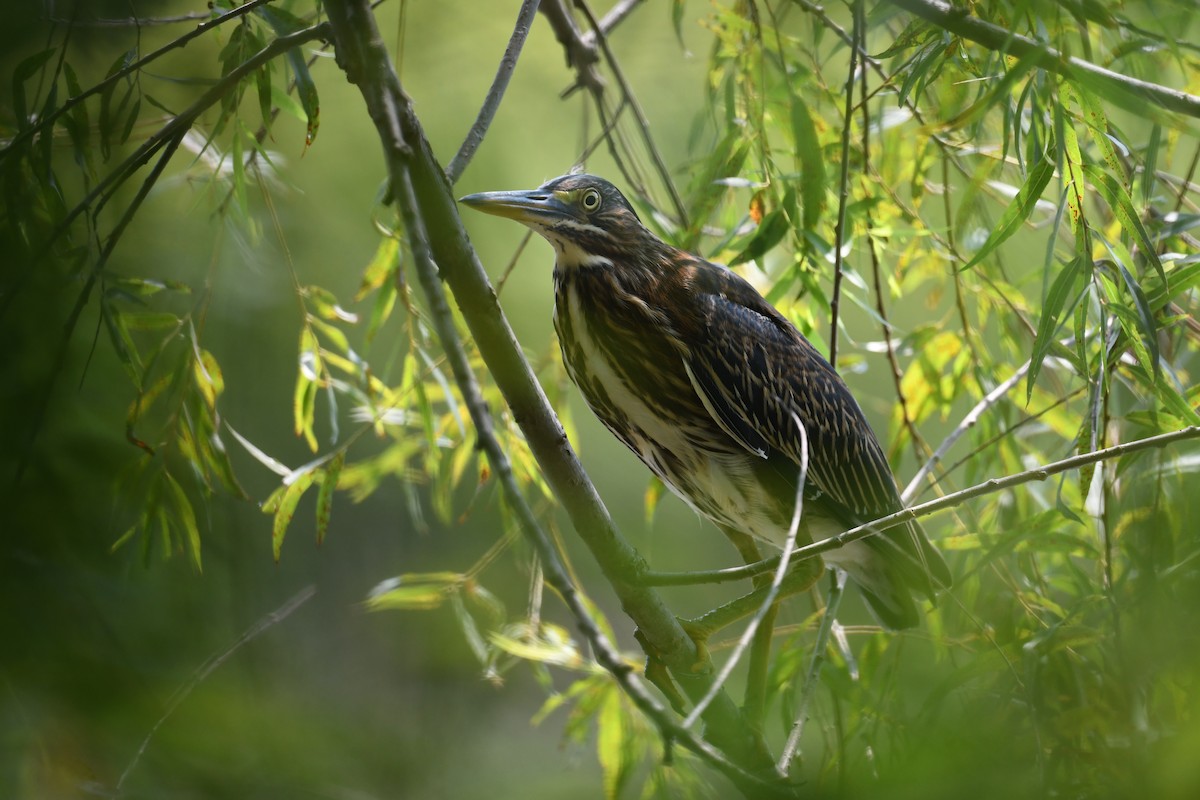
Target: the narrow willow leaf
(1150, 159)
(997, 93)
(1097, 122)
(131, 120)
(1147, 328)
(278, 467)
(614, 745)
(1072, 165)
(262, 80)
(677, 9)
(470, 629)
(812, 163)
(186, 516)
(286, 508)
(329, 479)
(23, 72)
(916, 33)
(1056, 300)
(121, 341)
(774, 227)
(209, 380)
(1018, 210)
(306, 89)
(934, 52)
(1122, 207)
(415, 591)
(383, 263)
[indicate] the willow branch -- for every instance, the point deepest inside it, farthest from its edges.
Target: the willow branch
(415, 172)
(1132, 91)
(923, 510)
(491, 103)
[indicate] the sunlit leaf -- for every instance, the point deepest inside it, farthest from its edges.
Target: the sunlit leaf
(329, 480)
(286, 508)
(1018, 210)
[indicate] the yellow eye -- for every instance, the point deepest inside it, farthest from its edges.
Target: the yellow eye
(590, 200)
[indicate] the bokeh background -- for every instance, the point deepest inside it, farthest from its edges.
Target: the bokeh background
(334, 701)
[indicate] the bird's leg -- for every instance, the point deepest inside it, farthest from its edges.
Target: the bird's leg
(799, 578)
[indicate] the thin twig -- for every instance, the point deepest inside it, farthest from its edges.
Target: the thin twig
(922, 510)
(969, 421)
(207, 668)
(491, 103)
(134, 22)
(420, 182)
(768, 600)
(614, 17)
(556, 575)
(839, 235)
(660, 165)
(837, 590)
(906, 416)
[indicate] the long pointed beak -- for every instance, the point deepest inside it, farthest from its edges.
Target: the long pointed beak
(528, 206)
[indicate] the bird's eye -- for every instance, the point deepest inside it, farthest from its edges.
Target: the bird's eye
(590, 200)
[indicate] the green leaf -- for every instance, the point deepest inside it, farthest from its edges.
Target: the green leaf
(677, 9)
(1056, 300)
(812, 163)
(207, 375)
(1097, 122)
(329, 479)
(916, 33)
(185, 516)
(614, 744)
(996, 94)
(1122, 207)
(1018, 209)
(286, 508)
(24, 71)
(415, 591)
(770, 233)
(262, 80)
(131, 120)
(1146, 326)
(306, 89)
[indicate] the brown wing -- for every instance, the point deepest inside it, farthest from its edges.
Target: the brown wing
(754, 370)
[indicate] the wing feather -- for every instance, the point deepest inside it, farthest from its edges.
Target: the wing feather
(753, 370)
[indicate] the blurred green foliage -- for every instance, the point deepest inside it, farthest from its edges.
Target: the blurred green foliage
(209, 370)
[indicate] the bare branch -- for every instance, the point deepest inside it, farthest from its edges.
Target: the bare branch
(923, 510)
(839, 235)
(495, 94)
(837, 590)
(422, 186)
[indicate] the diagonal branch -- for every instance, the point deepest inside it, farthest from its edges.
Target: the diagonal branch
(417, 175)
(495, 94)
(923, 510)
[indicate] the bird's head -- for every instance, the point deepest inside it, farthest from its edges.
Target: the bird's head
(587, 219)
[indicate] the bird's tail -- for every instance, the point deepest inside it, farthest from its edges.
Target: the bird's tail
(887, 573)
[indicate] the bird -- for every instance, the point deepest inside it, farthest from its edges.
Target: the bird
(693, 370)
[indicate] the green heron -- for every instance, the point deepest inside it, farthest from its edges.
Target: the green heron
(703, 379)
